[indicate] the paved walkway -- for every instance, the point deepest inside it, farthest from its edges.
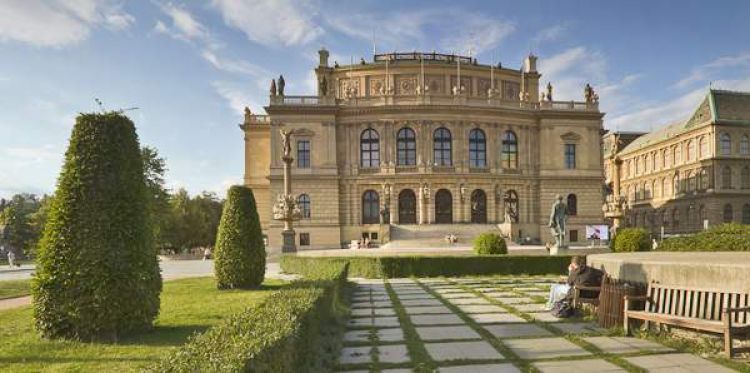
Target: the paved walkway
(487, 325)
(463, 250)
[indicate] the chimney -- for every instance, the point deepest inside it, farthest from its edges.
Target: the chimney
(323, 53)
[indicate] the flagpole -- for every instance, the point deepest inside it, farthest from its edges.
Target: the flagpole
(421, 63)
(387, 77)
(458, 79)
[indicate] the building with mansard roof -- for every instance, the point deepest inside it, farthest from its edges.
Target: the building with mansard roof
(686, 175)
(413, 146)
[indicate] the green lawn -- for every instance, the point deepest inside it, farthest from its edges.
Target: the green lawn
(14, 288)
(187, 306)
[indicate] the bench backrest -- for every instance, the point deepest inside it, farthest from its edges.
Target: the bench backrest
(697, 303)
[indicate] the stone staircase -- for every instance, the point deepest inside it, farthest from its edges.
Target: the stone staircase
(433, 235)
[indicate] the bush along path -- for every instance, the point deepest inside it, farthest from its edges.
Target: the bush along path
(487, 325)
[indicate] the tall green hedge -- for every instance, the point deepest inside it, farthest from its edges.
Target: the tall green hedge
(430, 266)
(240, 256)
(631, 239)
(288, 333)
(725, 237)
(97, 273)
(490, 244)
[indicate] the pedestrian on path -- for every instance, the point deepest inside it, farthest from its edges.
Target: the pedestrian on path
(11, 258)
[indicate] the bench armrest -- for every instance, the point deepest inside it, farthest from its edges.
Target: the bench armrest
(588, 288)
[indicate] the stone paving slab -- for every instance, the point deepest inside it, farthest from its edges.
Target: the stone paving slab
(436, 319)
(493, 318)
(486, 289)
(364, 312)
(479, 350)
(544, 348)
(517, 330)
(501, 294)
(481, 308)
(517, 300)
(447, 290)
(544, 316)
(390, 335)
(578, 366)
(355, 355)
(458, 295)
(625, 345)
(382, 322)
(372, 304)
(524, 289)
(426, 310)
(393, 354)
(530, 307)
(401, 280)
(421, 302)
(481, 368)
(676, 363)
(578, 327)
(357, 336)
(436, 333)
(543, 294)
(474, 300)
(415, 296)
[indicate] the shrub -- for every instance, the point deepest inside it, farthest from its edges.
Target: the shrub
(725, 237)
(240, 256)
(431, 266)
(283, 334)
(490, 244)
(631, 239)
(97, 273)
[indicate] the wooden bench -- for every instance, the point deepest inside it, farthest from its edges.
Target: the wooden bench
(711, 310)
(579, 300)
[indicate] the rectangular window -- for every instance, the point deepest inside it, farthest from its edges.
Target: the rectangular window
(303, 154)
(570, 156)
(574, 235)
(304, 239)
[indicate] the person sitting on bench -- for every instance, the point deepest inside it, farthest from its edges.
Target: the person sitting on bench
(578, 274)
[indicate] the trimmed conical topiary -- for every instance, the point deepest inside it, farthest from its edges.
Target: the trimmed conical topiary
(97, 274)
(240, 256)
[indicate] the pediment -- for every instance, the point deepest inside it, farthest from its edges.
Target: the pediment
(303, 132)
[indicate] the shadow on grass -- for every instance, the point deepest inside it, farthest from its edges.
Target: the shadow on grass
(162, 336)
(33, 359)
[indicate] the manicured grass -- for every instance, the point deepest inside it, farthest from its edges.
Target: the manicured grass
(14, 288)
(187, 306)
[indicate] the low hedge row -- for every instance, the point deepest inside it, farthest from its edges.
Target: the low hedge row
(283, 334)
(431, 266)
(725, 237)
(630, 240)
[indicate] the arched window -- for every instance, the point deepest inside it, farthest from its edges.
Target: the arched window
(665, 159)
(728, 213)
(572, 205)
(369, 148)
(665, 187)
(745, 178)
(726, 177)
(690, 150)
(370, 207)
(303, 202)
(746, 214)
(725, 144)
(744, 145)
(689, 215)
(676, 185)
(478, 207)
(477, 148)
(701, 214)
(691, 181)
(702, 147)
(654, 162)
(406, 147)
(675, 217)
(677, 154)
(441, 145)
(510, 150)
(703, 184)
(648, 163)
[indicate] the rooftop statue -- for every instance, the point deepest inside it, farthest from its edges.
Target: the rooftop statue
(549, 91)
(282, 83)
(248, 114)
(273, 87)
(589, 94)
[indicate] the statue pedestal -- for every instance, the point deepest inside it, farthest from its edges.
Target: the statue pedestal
(288, 241)
(559, 250)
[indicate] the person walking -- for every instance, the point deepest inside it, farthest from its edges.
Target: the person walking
(11, 258)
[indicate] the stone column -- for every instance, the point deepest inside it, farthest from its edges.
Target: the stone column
(288, 235)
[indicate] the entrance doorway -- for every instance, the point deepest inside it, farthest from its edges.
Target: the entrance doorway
(407, 207)
(443, 207)
(478, 207)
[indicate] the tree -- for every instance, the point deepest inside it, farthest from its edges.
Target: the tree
(16, 218)
(240, 256)
(97, 271)
(154, 168)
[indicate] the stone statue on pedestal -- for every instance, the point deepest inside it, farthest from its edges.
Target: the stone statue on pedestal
(557, 219)
(273, 87)
(286, 143)
(282, 84)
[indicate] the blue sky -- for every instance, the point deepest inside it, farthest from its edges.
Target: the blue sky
(190, 67)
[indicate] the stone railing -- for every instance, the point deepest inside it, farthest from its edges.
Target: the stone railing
(256, 119)
(432, 99)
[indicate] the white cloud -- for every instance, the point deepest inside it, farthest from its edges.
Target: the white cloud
(184, 26)
(237, 97)
(406, 30)
(570, 70)
(272, 22)
(234, 66)
(713, 68)
(551, 33)
(58, 23)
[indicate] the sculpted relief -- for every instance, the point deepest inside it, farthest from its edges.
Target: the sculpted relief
(407, 85)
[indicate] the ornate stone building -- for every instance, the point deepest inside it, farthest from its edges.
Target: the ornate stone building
(688, 174)
(399, 142)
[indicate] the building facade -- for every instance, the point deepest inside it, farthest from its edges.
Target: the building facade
(426, 139)
(688, 175)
